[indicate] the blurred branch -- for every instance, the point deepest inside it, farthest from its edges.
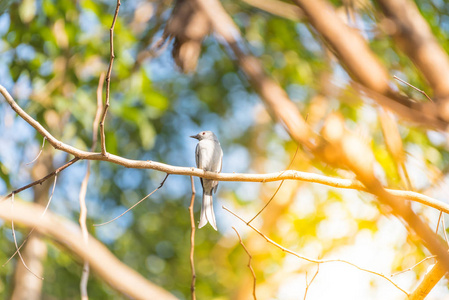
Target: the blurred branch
(444, 231)
(192, 240)
(249, 263)
(337, 146)
(270, 91)
(278, 8)
(363, 66)
(348, 45)
(15, 243)
(429, 282)
(308, 284)
(415, 265)
(26, 285)
(83, 189)
(119, 276)
(144, 50)
(393, 141)
(32, 230)
(414, 36)
(108, 79)
(39, 154)
(312, 260)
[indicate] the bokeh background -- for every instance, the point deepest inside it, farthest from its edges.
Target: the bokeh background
(51, 56)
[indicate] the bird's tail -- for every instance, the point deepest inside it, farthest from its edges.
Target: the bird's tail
(207, 212)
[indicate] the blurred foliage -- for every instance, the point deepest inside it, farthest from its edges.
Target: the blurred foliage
(51, 56)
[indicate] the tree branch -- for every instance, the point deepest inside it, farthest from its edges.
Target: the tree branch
(55, 172)
(429, 282)
(108, 79)
(249, 262)
(363, 66)
(414, 36)
(278, 8)
(312, 260)
(190, 171)
(337, 146)
(119, 276)
(83, 189)
(192, 240)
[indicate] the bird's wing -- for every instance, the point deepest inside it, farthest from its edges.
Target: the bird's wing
(197, 156)
(221, 161)
(219, 166)
(198, 161)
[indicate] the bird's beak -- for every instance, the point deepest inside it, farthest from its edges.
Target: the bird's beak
(195, 136)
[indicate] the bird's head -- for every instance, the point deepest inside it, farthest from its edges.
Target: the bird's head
(204, 135)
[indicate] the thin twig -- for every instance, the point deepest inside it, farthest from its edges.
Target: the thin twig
(308, 284)
(249, 263)
(412, 267)
(32, 229)
(279, 187)
(39, 154)
(82, 195)
(55, 172)
(192, 240)
(162, 183)
(15, 240)
(414, 87)
(108, 79)
(444, 230)
(438, 223)
(318, 261)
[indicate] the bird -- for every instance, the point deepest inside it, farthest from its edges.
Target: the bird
(208, 157)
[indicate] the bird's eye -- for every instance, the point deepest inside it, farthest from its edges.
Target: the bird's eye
(203, 133)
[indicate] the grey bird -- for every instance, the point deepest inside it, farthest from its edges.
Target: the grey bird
(208, 156)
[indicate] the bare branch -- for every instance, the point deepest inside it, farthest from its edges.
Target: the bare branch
(308, 284)
(110, 221)
(312, 260)
(32, 229)
(15, 241)
(55, 172)
(39, 154)
(277, 190)
(192, 240)
(249, 263)
(414, 87)
(108, 80)
(82, 195)
(415, 265)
